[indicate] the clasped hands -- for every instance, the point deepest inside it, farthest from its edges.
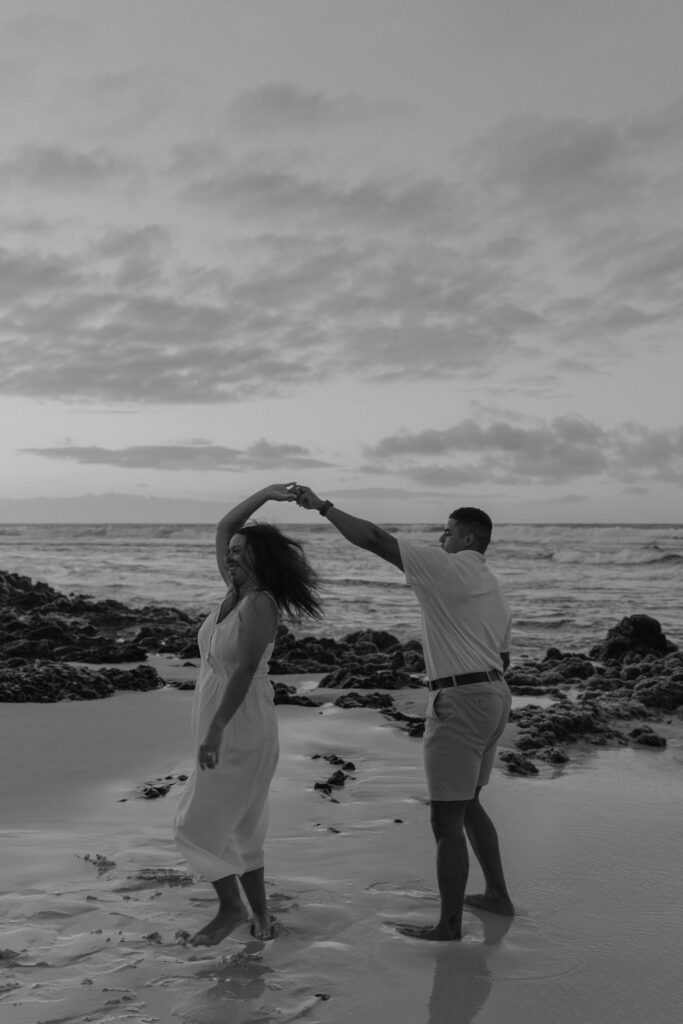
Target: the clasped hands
(304, 496)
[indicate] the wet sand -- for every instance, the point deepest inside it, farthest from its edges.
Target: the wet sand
(93, 893)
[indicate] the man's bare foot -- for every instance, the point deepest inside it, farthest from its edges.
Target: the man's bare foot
(220, 927)
(494, 904)
(433, 933)
(263, 927)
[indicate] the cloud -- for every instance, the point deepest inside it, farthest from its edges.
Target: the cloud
(563, 166)
(137, 255)
(283, 107)
(655, 269)
(641, 448)
(373, 493)
(26, 275)
(272, 276)
(123, 320)
(564, 449)
(594, 201)
(472, 436)
(272, 194)
(436, 476)
(570, 166)
(56, 167)
(637, 490)
(198, 457)
(560, 499)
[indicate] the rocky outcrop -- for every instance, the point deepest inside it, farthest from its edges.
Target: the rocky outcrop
(362, 653)
(37, 621)
(635, 634)
(634, 677)
(46, 682)
(367, 677)
(283, 694)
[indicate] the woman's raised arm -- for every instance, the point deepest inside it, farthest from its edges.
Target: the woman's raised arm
(233, 521)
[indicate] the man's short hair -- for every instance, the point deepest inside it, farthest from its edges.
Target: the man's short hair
(476, 521)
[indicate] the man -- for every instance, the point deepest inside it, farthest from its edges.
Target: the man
(466, 639)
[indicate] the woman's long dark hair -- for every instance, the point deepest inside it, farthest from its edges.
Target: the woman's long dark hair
(281, 567)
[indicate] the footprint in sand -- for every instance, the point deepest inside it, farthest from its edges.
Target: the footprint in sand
(281, 902)
(414, 890)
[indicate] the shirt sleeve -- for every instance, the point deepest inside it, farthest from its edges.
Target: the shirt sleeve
(422, 564)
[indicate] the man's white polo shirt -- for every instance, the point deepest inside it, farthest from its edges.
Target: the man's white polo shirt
(465, 617)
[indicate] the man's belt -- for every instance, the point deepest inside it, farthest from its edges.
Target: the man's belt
(465, 680)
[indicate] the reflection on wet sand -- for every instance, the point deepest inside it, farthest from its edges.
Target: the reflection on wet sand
(463, 983)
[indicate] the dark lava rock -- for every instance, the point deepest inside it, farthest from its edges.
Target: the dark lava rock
(552, 755)
(46, 682)
(414, 725)
(381, 701)
(517, 764)
(645, 736)
(411, 724)
(159, 787)
(305, 654)
(348, 679)
(183, 684)
(561, 722)
(288, 695)
(365, 652)
(378, 639)
(338, 778)
(663, 693)
(37, 621)
(638, 634)
(337, 761)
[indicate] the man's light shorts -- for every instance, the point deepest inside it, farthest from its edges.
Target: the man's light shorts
(462, 728)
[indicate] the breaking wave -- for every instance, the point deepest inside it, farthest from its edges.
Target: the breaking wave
(625, 556)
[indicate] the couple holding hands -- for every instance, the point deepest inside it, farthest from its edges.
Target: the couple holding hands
(222, 818)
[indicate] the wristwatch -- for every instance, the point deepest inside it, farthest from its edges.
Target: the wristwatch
(325, 508)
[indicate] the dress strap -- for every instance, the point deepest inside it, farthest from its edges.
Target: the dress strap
(271, 598)
(268, 593)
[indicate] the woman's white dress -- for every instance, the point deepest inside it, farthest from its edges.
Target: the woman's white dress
(222, 818)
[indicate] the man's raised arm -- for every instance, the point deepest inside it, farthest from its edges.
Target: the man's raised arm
(360, 532)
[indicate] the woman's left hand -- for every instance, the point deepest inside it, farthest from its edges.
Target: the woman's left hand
(282, 492)
(209, 750)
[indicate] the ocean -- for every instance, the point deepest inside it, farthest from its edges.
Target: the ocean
(567, 584)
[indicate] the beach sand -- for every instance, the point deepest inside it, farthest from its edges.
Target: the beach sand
(92, 891)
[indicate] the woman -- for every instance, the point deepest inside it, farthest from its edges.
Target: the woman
(222, 818)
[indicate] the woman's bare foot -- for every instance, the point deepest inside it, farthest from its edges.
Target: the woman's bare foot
(494, 904)
(225, 922)
(433, 933)
(263, 927)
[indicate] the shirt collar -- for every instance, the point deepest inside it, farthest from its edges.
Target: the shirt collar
(470, 553)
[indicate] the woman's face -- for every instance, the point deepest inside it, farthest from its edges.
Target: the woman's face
(239, 561)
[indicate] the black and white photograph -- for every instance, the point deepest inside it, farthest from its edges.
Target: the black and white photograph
(341, 511)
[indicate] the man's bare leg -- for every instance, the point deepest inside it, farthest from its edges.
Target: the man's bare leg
(253, 883)
(231, 913)
(452, 866)
(483, 838)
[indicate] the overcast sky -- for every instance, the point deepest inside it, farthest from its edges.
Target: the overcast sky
(416, 254)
